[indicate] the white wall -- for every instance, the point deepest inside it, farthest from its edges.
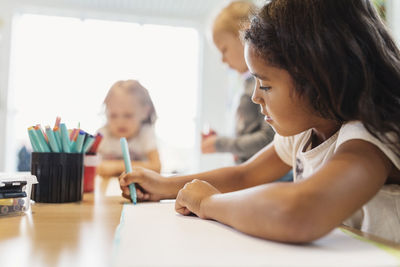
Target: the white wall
(393, 18)
(213, 88)
(5, 37)
(216, 97)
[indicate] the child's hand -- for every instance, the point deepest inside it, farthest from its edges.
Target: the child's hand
(208, 133)
(192, 195)
(150, 186)
(208, 144)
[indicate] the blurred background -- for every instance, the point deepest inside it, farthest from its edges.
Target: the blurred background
(60, 57)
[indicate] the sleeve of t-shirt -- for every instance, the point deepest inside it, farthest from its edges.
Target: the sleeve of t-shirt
(149, 140)
(356, 130)
(284, 148)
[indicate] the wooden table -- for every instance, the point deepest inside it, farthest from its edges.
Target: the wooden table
(71, 234)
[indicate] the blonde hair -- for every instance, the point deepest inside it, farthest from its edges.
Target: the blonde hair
(134, 88)
(234, 17)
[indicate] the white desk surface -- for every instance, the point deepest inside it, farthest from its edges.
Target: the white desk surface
(153, 234)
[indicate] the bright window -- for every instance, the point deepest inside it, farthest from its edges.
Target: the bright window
(64, 66)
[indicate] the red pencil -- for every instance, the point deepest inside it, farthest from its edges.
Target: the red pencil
(96, 143)
(58, 120)
(74, 134)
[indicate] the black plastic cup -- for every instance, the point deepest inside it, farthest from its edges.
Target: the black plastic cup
(59, 175)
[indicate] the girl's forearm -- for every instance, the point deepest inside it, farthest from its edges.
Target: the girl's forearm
(225, 179)
(266, 211)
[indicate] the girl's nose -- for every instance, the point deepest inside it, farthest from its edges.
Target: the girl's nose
(256, 98)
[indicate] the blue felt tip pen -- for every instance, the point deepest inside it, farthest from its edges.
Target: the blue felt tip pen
(79, 141)
(42, 141)
(65, 138)
(34, 141)
(89, 140)
(52, 140)
(57, 134)
(128, 167)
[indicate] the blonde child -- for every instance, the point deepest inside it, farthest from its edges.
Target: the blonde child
(328, 76)
(131, 114)
(251, 132)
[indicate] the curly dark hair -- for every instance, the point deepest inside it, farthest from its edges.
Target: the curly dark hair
(340, 56)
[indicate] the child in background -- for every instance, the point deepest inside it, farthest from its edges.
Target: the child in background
(252, 133)
(131, 114)
(328, 75)
(24, 159)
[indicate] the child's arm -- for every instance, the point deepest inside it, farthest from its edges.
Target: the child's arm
(108, 168)
(264, 167)
(152, 162)
(296, 212)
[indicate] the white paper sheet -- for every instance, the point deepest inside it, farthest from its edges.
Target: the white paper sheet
(153, 234)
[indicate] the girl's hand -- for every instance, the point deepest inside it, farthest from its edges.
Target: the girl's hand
(150, 186)
(208, 144)
(191, 197)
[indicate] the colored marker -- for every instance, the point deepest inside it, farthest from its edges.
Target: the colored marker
(65, 138)
(43, 132)
(33, 139)
(73, 134)
(42, 141)
(88, 143)
(52, 140)
(79, 141)
(72, 146)
(128, 167)
(57, 124)
(57, 134)
(96, 143)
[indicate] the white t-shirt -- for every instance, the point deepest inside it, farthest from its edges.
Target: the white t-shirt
(381, 215)
(139, 145)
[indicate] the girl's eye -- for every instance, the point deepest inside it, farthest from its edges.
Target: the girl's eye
(265, 88)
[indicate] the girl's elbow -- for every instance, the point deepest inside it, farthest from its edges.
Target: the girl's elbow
(300, 224)
(301, 233)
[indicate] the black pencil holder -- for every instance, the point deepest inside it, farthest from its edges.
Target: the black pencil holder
(59, 175)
